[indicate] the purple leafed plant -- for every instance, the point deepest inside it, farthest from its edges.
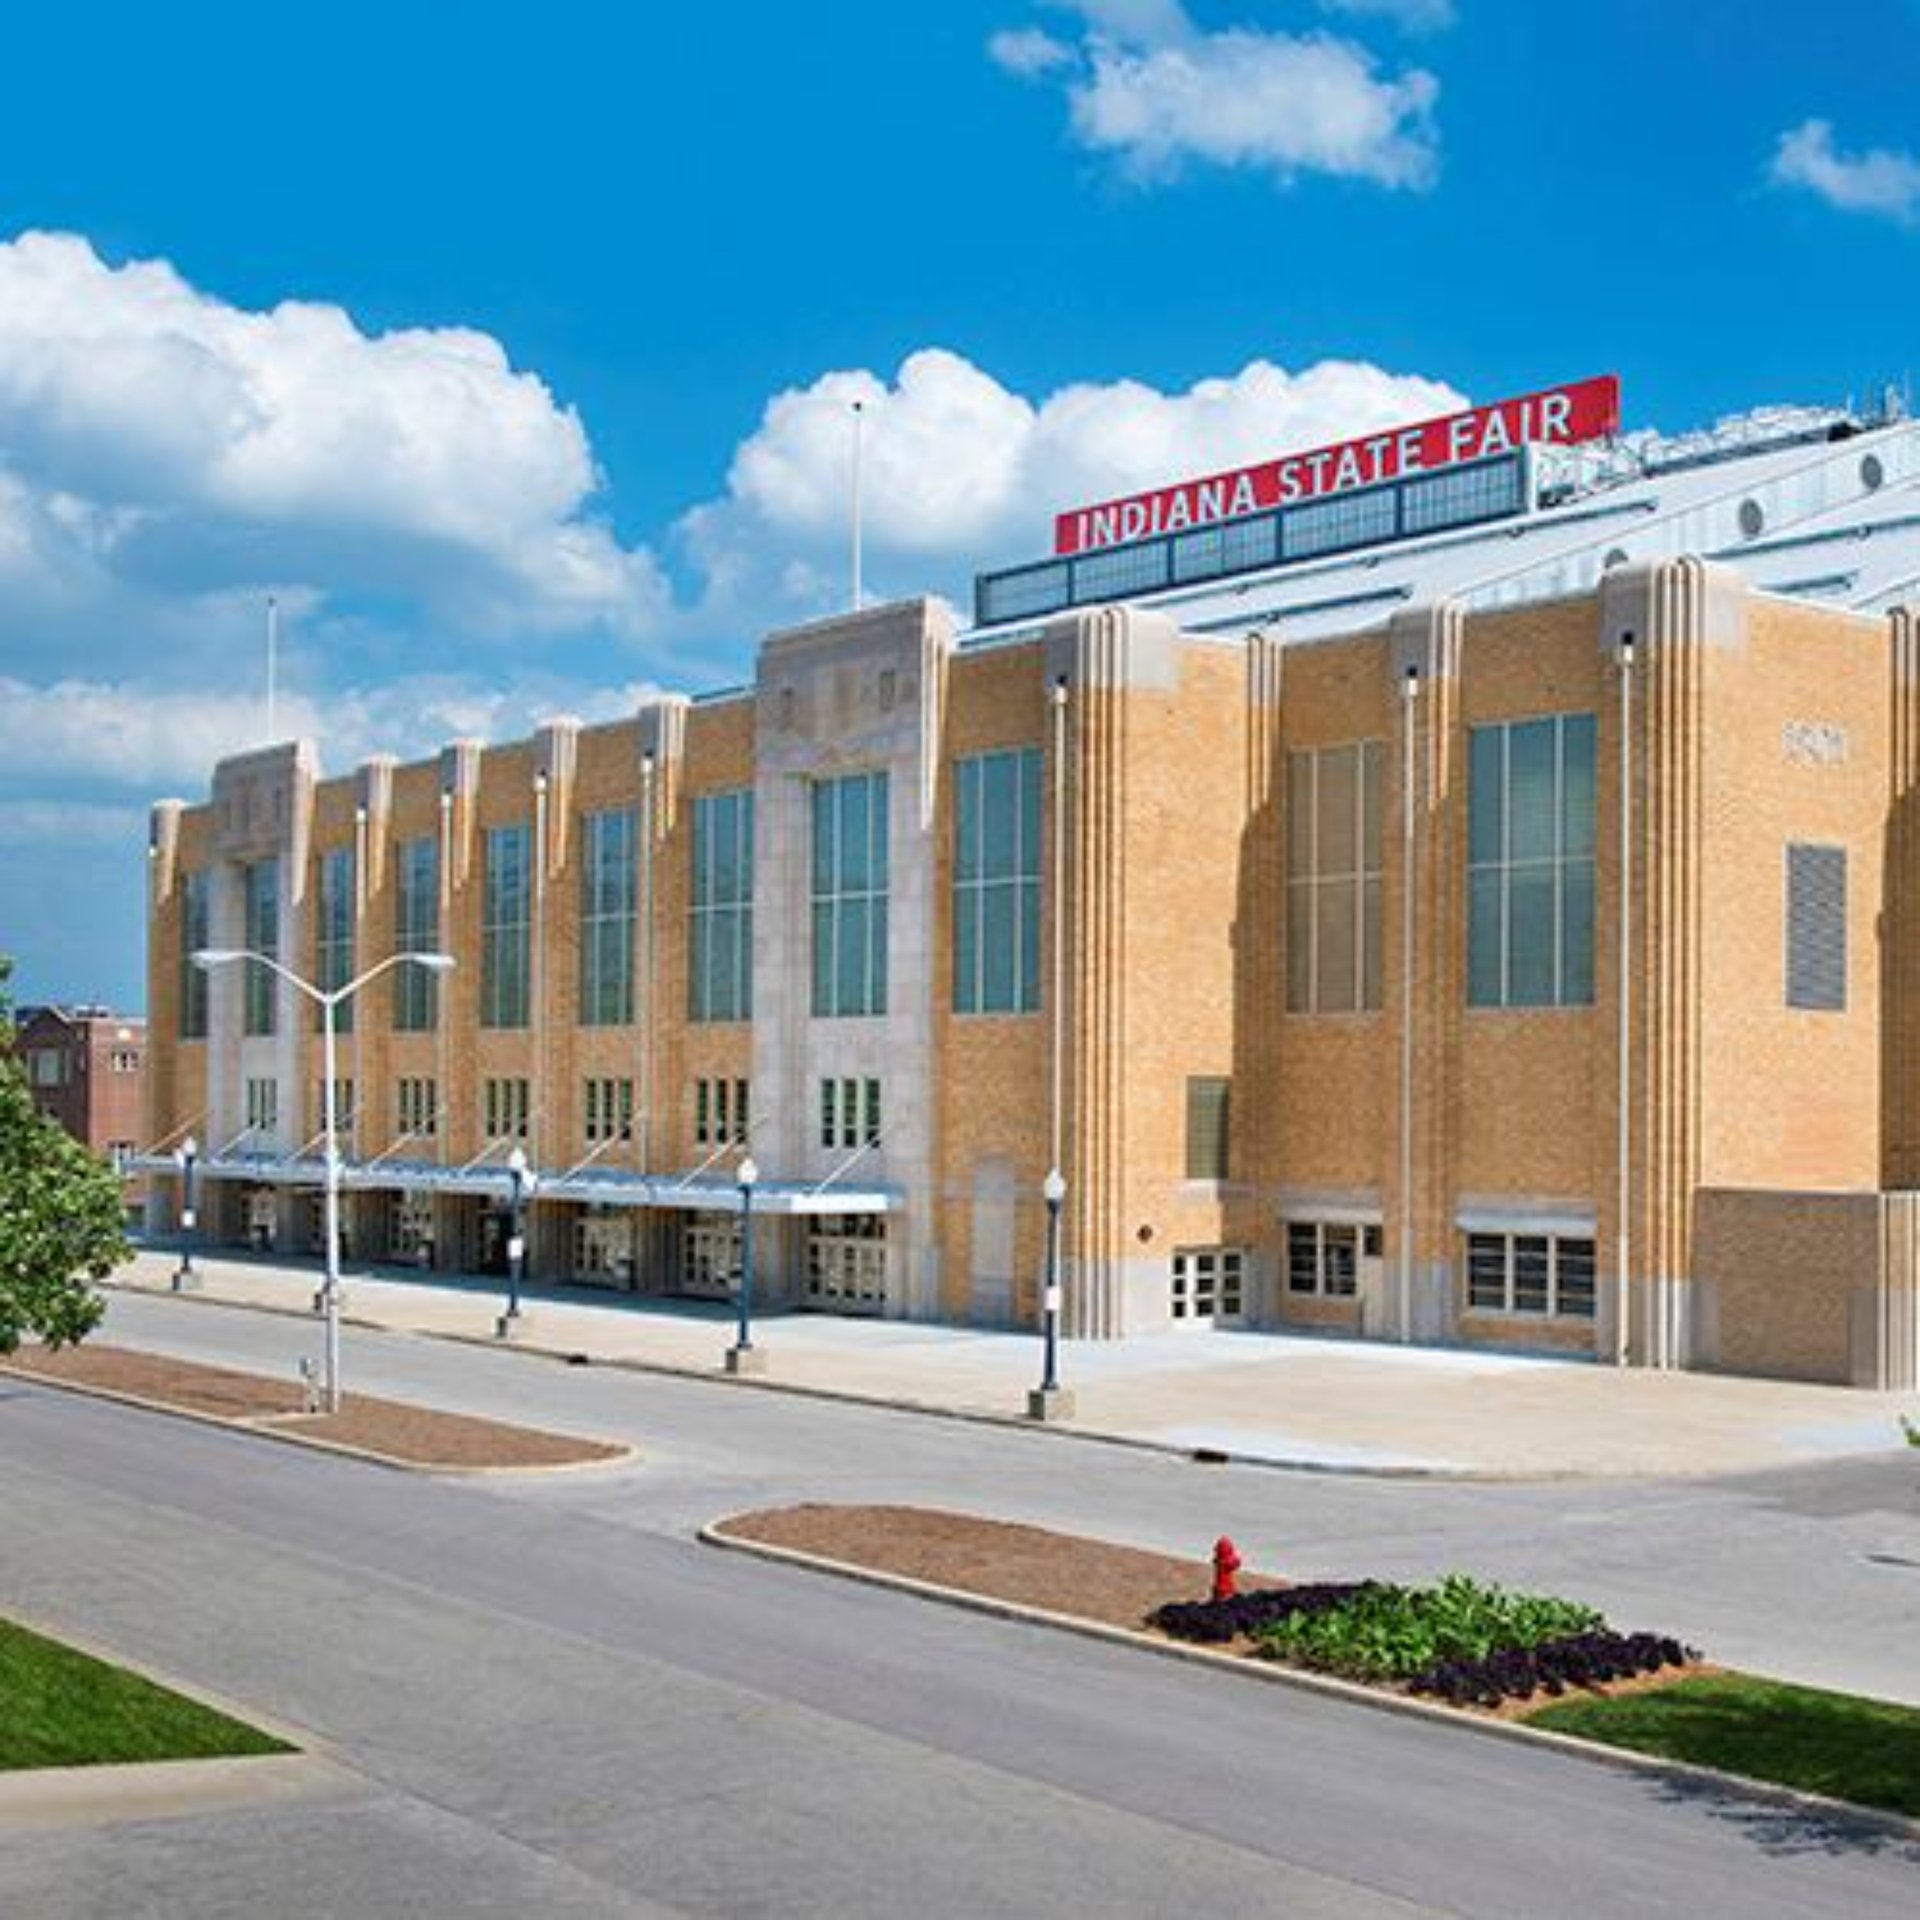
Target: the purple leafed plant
(1578, 1660)
(1214, 1622)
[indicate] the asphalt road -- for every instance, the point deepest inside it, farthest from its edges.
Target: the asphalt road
(555, 1702)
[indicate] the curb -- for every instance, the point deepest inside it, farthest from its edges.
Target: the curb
(933, 1410)
(111, 1792)
(262, 1426)
(1622, 1759)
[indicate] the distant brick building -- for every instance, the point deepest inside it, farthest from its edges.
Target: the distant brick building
(87, 1069)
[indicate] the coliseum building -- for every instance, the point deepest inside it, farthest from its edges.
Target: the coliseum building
(1479, 904)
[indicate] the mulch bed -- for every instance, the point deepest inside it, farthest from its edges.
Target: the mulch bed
(1030, 1566)
(1035, 1567)
(412, 1436)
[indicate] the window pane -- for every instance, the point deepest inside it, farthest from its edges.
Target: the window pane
(1372, 944)
(850, 975)
(1299, 815)
(1487, 1272)
(1486, 796)
(1576, 772)
(1303, 1258)
(1372, 803)
(1576, 934)
(1532, 936)
(999, 822)
(1336, 984)
(1030, 808)
(855, 865)
(1300, 946)
(1573, 1261)
(1532, 783)
(1529, 1274)
(997, 935)
(966, 950)
(1486, 933)
(966, 821)
(1337, 828)
(823, 978)
(1029, 997)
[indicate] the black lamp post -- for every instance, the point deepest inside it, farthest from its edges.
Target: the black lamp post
(1049, 1400)
(187, 1159)
(743, 1356)
(520, 1183)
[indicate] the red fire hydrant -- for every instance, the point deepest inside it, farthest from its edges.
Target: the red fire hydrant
(1226, 1563)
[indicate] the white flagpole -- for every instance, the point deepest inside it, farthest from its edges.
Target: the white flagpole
(859, 412)
(273, 667)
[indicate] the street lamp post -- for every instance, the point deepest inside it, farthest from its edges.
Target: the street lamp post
(186, 1159)
(329, 1001)
(1050, 1400)
(520, 1183)
(743, 1356)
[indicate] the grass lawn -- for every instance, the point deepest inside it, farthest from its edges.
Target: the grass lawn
(59, 1708)
(1866, 1751)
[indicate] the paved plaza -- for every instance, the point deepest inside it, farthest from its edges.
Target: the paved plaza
(1282, 1398)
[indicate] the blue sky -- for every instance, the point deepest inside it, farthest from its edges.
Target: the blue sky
(581, 294)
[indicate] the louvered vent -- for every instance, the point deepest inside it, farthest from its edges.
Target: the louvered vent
(1817, 929)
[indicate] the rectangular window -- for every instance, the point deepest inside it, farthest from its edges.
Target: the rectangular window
(720, 1116)
(506, 928)
(850, 896)
(333, 930)
(849, 1113)
(609, 1110)
(508, 1110)
(1208, 1283)
(196, 935)
(720, 960)
(343, 1109)
(1530, 864)
(1335, 802)
(124, 1062)
(1323, 1257)
(416, 929)
(418, 1109)
(847, 1261)
(1817, 929)
(1207, 1111)
(996, 882)
(608, 892)
(262, 935)
(1534, 1274)
(47, 1067)
(263, 1113)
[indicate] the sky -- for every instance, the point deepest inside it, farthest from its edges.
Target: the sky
(512, 349)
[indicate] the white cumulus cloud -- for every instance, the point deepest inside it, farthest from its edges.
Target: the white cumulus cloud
(962, 472)
(158, 443)
(1882, 180)
(1147, 87)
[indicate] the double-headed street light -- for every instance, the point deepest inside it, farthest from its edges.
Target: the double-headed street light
(520, 1183)
(742, 1356)
(329, 1001)
(186, 1158)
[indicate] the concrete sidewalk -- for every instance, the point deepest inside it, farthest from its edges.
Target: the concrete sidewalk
(1284, 1398)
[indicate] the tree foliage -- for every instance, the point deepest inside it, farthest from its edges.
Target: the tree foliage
(61, 1214)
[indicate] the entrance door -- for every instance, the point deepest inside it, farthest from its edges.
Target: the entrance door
(710, 1255)
(1208, 1285)
(495, 1230)
(847, 1262)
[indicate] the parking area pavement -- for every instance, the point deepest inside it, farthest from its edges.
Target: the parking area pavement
(1285, 1398)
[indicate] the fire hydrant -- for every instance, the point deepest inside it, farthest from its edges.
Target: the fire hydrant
(1226, 1563)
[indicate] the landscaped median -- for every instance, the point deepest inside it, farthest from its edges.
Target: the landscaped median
(389, 1431)
(1458, 1646)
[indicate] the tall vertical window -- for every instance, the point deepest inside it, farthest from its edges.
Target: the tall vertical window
(333, 931)
(1207, 1123)
(850, 895)
(196, 934)
(608, 890)
(720, 973)
(262, 936)
(506, 928)
(996, 883)
(1530, 864)
(1334, 799)
(416, 929)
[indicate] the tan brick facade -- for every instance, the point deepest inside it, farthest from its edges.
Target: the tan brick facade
(1383, 1159)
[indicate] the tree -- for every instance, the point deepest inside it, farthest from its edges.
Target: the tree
(61, 1213)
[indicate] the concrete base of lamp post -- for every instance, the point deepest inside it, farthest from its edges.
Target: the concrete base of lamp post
(509, 1326)
(185, 1280)
(746, 1363)
(1050, 1403)
(320, 1300)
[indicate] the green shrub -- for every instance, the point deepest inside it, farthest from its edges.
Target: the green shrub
(1392, 1633)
